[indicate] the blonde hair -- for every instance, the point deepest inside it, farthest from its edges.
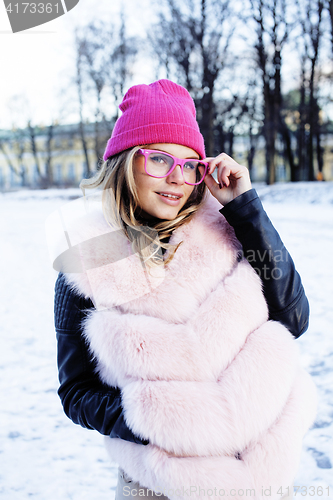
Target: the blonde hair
(120, 203)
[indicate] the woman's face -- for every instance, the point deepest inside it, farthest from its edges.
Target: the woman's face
(151, 200)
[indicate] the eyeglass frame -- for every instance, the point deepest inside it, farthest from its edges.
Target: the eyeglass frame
(177, 161)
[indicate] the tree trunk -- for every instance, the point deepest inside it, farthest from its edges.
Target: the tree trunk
(206, 121)
(330, 8)
(288, 150)
(8, 160)
(80, 97)
(270, 160)
(34, 148)
(231, 136)
(312, 120)
(48, 167)
(269, 134)
(301, 135)
(317, 138)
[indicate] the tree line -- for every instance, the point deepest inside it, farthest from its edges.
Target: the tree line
(235, 59)
(239, 90)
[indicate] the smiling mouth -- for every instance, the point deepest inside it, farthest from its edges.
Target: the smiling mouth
(171, 196)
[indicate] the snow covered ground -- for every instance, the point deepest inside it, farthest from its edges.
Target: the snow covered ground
(43, 454)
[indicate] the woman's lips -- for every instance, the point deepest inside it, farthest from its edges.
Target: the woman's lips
(168, 200)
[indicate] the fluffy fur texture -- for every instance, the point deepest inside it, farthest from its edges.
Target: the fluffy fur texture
(204, 375)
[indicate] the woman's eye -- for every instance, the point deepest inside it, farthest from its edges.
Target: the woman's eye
(190, 166)
(158, 159)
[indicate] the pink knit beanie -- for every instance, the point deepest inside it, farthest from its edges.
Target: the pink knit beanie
(162, 112)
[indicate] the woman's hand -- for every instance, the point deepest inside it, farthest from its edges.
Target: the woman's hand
(232, 179)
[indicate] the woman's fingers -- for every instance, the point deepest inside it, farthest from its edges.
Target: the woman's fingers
(225, 173)
(211, 183)
(223, 160)
(232, 179)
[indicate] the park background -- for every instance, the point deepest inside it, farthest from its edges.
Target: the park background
(270, 105)
(259, 71)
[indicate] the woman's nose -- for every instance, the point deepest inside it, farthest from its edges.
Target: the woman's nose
(176, 176)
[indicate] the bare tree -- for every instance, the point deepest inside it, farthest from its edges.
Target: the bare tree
(16, 142)
(33, 147)
(252, 118)
(104, 58)
(26, 138)
(330, 10)
(310, 14)
(21, 141)
(229, 113)
(80, 94)
(191, 41)
(121, 59)
(272, 27)
(314, 33)
(91, 59)
(48, 162)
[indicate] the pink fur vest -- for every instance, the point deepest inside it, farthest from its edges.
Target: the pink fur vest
(204, 375)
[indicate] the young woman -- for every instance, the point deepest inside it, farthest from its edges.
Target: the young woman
(176, 339)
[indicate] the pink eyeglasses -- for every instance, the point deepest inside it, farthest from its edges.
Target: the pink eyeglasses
(159, 164)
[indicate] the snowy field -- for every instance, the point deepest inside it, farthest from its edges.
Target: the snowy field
(45, 456)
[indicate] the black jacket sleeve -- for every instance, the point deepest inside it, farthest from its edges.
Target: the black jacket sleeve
(263, 248)
(85, 399)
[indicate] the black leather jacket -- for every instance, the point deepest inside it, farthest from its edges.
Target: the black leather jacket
(94, 405)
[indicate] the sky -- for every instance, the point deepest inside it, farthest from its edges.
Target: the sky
(39, 62)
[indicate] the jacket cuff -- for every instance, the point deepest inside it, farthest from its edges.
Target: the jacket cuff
(242, 207)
